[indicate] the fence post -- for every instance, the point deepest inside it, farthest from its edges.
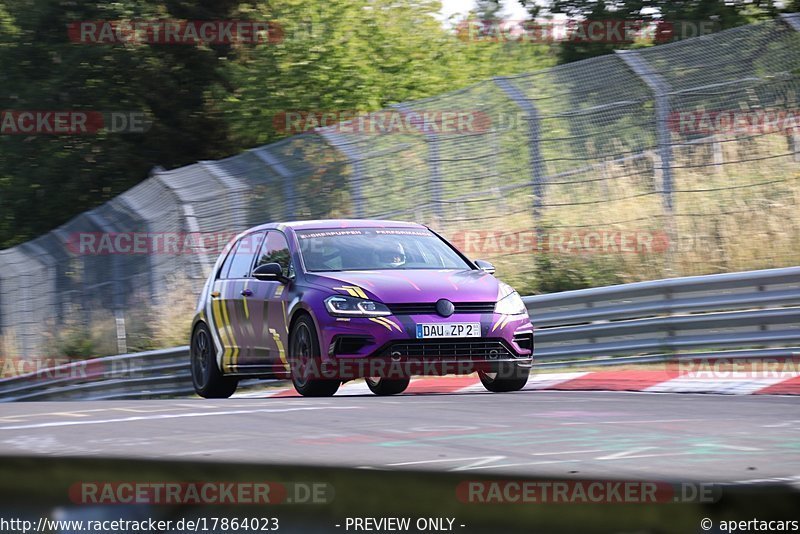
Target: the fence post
(435, 180)
(188, 222)
(289, 193)
(119, 291)
(718, 155)
(128, 206)
(534, 137)
(234, 187)
(793, 21)
(352, 155)
(660, 89)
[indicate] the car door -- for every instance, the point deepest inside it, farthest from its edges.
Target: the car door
(230, 303)
(269, 320)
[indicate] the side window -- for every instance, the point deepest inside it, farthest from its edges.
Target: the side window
(226, 265)
(275, 250)
(241, 259)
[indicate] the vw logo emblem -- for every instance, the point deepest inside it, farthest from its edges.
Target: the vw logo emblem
(445, 308)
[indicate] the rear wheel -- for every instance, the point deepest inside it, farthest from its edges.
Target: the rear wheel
(387, 386)
(207, 379)
(506, 378)
(306, 363)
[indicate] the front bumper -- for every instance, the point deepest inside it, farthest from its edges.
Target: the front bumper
(364, 346)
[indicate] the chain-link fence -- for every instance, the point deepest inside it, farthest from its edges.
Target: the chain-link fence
(673, 160)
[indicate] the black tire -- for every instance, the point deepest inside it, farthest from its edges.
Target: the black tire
(306, 361)
(387, 386)
(207, 379)
(509, 377)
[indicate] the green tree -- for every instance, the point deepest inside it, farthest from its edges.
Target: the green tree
(48, 179)
(684, 15)
(360, 55)
(208, 102)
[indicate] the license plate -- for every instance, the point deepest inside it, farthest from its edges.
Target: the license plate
(448, 330)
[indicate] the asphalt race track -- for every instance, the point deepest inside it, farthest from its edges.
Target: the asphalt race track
(711, 438)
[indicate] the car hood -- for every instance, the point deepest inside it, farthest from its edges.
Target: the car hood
(414, 285)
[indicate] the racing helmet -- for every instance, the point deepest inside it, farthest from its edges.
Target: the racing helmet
(393, 256)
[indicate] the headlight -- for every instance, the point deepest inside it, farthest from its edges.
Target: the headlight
(340, 306)
(511, 304)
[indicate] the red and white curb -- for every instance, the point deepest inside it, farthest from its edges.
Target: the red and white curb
(655, 381)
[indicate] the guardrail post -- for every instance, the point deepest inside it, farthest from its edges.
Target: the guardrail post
(357, 176)
(122, 334)
(660, 89)
(534, 137)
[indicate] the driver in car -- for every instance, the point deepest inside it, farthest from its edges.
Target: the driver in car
(393, 257)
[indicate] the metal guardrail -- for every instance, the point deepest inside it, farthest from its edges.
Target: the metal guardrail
(143, 374)
(664, 320)
(750, 310)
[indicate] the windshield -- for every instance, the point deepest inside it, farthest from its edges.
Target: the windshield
(367, 249)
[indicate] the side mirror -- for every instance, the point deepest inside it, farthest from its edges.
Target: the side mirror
(484, 265)
(269, 272)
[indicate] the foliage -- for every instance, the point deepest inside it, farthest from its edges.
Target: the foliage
(207, 102)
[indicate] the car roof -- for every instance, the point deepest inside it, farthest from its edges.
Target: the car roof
(324, 224)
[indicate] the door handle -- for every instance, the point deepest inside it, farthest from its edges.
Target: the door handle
(247, 293)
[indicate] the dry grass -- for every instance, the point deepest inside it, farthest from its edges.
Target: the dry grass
(9, 353)
(733, 217)
(172, 319)
(163, 324)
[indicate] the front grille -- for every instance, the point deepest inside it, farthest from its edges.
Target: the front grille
(429, 308)
(487, 349)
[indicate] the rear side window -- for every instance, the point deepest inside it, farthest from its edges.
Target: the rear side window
(240, 260)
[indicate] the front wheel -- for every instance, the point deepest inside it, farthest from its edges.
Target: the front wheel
(207, 379)
(306, 363)
(504, 379)
(387, 386)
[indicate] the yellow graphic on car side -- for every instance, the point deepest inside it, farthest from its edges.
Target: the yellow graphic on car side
(244, 301)
(281, 351)
(501, 322)
(233, 351)
(225, 336)
(353, 291)
(383, 321)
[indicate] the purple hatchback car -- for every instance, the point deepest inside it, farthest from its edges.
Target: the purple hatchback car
(323, 302)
